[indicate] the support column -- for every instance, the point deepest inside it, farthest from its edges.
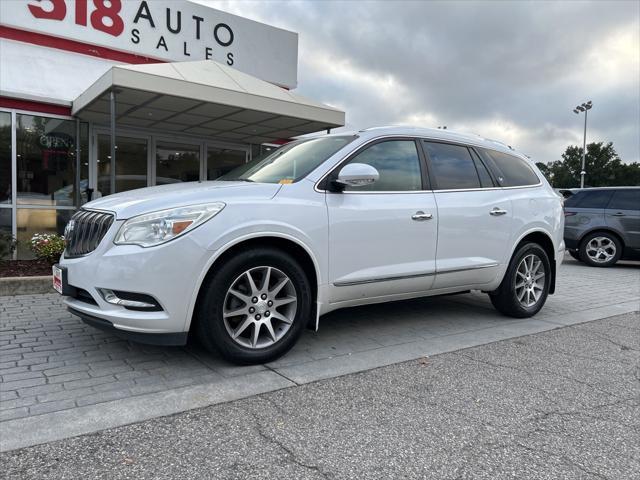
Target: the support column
(112, 111)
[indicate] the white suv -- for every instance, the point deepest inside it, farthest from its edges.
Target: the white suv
(248, 261)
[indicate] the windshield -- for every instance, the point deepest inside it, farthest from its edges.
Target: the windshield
(289, 163)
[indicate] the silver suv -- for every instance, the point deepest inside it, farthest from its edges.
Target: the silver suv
(602, 225)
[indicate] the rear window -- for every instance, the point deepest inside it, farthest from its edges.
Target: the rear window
(589, 199)
(625, 200)
(510, 170)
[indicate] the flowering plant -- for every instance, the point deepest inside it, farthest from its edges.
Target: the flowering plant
(47, 246)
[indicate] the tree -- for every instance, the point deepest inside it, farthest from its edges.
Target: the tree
(603, 166)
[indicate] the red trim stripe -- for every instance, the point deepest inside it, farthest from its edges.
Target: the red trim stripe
(31, 106)
(73, 46)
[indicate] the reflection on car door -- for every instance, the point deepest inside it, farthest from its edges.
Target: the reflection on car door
(382, 237)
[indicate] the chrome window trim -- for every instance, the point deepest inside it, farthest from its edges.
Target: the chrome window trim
(386, 192)
(417, 275)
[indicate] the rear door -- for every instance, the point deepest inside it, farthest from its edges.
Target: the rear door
(623, 215)
(474, 216)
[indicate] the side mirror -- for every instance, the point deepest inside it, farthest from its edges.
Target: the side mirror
(357, 175)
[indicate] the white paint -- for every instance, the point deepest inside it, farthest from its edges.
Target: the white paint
(362, 237)
(260, 50)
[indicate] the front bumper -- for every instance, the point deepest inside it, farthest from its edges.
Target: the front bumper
(166, 339)
(170, 273)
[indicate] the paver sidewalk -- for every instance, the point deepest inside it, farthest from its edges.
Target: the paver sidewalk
(60, 377)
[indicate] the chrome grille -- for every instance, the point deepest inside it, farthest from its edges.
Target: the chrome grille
(84, 232)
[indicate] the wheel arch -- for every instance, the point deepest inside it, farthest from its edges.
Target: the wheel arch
(543, 239)
(301, 252)
(603, 229)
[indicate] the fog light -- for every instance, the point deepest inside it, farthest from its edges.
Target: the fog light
(130, 300)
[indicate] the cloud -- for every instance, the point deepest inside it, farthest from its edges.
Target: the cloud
(512, 71)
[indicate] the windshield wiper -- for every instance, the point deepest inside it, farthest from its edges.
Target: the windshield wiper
(235, 180)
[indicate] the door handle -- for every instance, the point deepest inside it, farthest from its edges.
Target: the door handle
(618, 214)
(496, 212)
(420, 216)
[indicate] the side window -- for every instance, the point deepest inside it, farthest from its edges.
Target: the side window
(483, 173)
(592, 199)
(452, 165)
(625, 200)
(512, 171)
(397, 163)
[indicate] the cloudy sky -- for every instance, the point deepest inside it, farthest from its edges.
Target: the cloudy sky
(512, 71)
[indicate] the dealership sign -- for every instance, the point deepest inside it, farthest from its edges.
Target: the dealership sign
(169, 30)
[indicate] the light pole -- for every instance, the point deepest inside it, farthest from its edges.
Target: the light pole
(585, 107)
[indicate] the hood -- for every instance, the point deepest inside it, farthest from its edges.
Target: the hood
(145, 200)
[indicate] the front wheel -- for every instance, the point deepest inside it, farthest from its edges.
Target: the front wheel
(255, 306)
(525, 286)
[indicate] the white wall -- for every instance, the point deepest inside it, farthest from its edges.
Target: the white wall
(39, 73)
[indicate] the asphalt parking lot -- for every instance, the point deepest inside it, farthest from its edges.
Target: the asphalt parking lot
(60, 378)
(558, 404)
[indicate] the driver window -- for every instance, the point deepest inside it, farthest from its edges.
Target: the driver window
(397, 163)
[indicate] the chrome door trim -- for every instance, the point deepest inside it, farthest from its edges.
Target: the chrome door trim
(466, 269)
(383, 279)
(407, 277)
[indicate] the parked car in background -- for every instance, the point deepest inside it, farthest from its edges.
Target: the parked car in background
(251, 259)
(602, 225)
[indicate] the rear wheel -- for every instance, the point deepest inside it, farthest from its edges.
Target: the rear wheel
(254, 308)
(600, 249)
(525, 286)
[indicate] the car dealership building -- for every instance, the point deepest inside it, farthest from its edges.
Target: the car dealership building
(100, 97)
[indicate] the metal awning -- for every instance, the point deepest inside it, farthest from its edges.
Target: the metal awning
(202, 98)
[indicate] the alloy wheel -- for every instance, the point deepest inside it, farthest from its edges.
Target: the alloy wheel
(260, 307)
(601, 249)
(530, 278)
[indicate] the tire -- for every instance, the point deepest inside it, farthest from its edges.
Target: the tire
(575, 254)
(600, 249)
(513, 297)
(227, 321)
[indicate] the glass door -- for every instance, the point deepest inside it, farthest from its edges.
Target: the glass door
(223, 160)
(131, 164)
(177, 162)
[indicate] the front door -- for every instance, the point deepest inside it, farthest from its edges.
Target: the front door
(382, 237)
(474, 217)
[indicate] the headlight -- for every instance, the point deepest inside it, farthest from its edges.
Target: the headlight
(159, 227)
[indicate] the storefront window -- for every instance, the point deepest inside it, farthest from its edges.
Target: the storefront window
(222, 160)
(45, 154)
(5, 221)
(177, 163)
(5, 157)
(36, 220)
(131, 164)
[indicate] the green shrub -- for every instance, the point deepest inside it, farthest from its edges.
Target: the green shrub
(7, 244)
(47, 246)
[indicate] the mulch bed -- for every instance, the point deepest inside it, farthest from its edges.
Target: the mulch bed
(24, 268)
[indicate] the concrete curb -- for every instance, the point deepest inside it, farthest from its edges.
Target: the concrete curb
(54, 426)
(25, 285)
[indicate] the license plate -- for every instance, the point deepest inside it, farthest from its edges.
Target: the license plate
(57, 279)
